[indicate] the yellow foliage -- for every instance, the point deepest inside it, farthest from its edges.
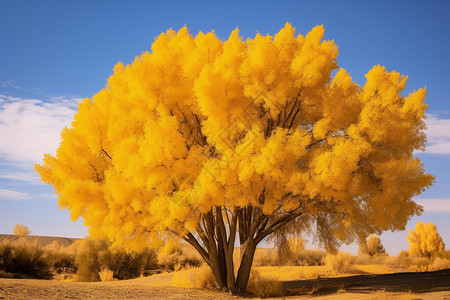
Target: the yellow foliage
(425, 241)
(20, 229)
(199, 122)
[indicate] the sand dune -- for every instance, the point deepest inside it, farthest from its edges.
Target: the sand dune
(41, 241)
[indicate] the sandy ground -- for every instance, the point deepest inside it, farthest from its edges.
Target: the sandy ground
(15, 289)
(406, 286)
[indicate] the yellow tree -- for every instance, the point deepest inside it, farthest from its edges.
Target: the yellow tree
(20, 229)
(214, 141)
(425, 241)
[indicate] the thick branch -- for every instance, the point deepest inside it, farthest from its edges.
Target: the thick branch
(193, 241)
(282, 221)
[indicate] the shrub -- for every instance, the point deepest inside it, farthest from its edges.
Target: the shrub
(96, 255)
(20, 229)
(308, 257)
(4, 274)
(425, 241)
(173, 253)
(263, 257)
(61, 258)
(441, 264)
(263, 286)
(23, 258)
(194, 278)
(106, 275)
(340, 263)
(371, 247)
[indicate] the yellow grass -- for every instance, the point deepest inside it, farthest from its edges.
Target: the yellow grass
(286, 273)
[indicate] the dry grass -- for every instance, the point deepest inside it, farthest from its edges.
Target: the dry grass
(174, 254)
(193, 278)
(341, 263)
(106, 275)
(24, 259)
(263, 286)
(441, 264)
(288, 273)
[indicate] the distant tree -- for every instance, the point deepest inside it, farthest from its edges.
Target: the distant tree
(372, 246)
(213, 140)
(20, 229)
(425, 241)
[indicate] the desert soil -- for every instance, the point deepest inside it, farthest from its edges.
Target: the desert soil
(426, 285)
(15, 289)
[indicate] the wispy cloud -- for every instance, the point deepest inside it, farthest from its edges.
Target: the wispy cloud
(13, 195)
(438, 133)
(29, 177)
(31, 127)
(435, 205)
(12, 84)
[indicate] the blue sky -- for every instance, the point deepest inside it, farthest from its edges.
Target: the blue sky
(54, 53)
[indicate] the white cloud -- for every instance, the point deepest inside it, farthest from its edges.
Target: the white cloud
(29, 177)
(13, 195)
(31, 127)
(435, 205)
(438, 133)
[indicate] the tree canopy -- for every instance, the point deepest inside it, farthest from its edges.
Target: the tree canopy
(210, 140)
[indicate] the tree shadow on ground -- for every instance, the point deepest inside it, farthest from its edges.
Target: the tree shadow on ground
(416, 282)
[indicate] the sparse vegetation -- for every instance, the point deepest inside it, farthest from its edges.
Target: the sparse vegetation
(174, 253)
(106, 275)
(20, 229)
(440, 264)
(340, 263)
(62, 259)
(372, 246)
(24, 260)
(194, 278)
(96, 255)
(261, 286)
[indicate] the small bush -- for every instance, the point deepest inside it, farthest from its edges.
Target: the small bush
(263, 286)
(440, 264)
(194, 278)
(61, 258)
(4, 274)
(372, 247)
(20, 229)
(263, 257)
(95, 255)
(106, 275)
(340, 263)
(308, 257)
(175, 254)
(24, 259)
(299, 257)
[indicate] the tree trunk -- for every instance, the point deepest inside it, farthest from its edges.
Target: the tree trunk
(216, 234)
(247, 254)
